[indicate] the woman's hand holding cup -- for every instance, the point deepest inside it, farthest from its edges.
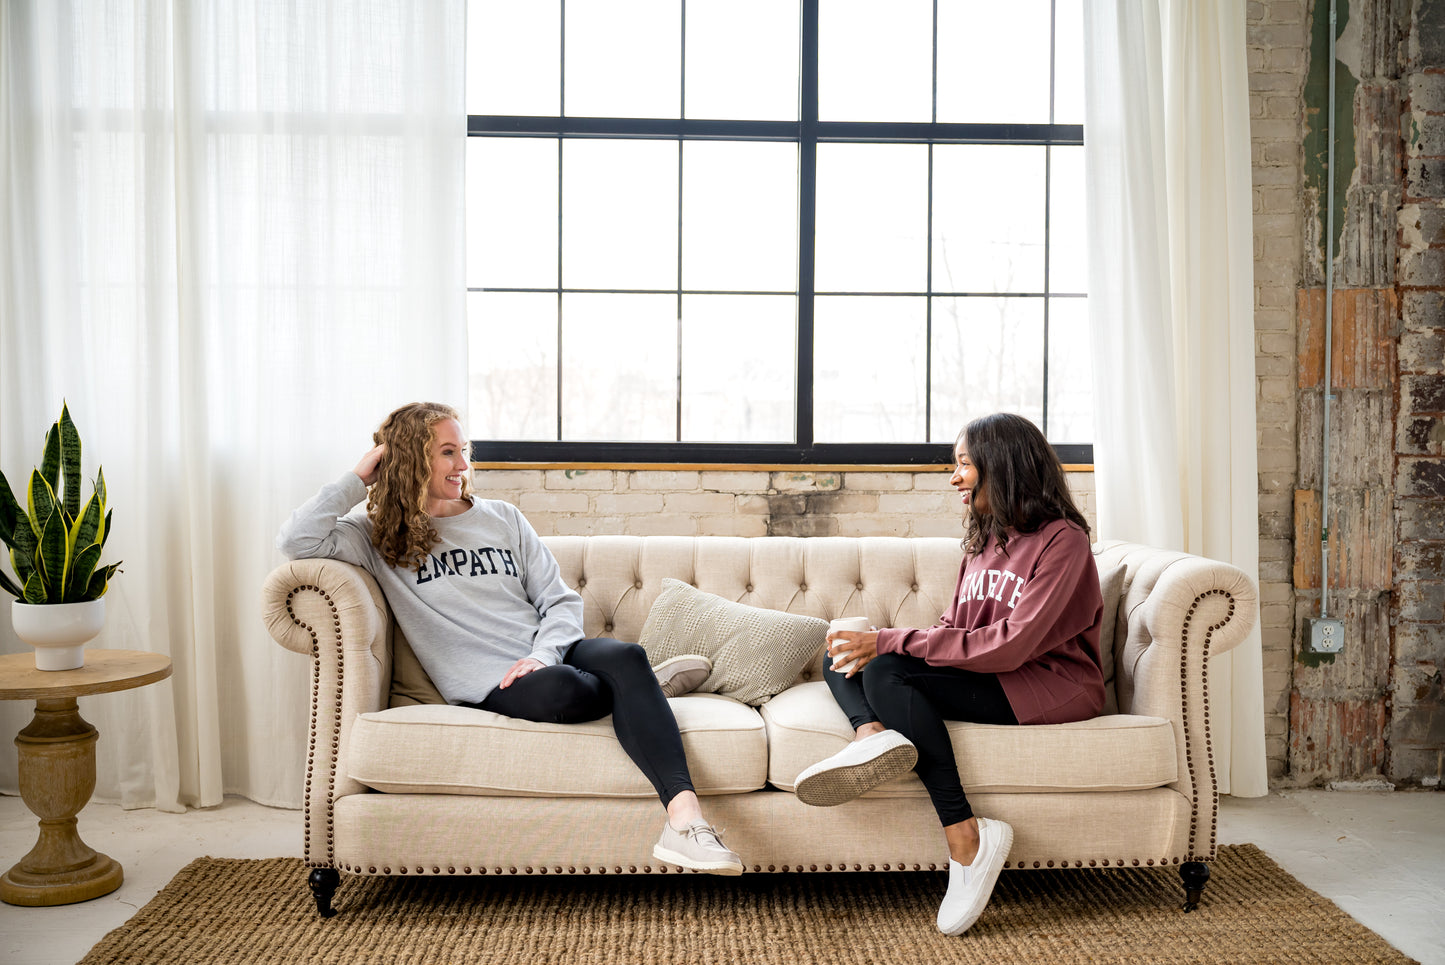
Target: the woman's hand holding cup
(851, 644)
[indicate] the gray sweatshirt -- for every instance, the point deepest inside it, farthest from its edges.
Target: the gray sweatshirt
(488, 595)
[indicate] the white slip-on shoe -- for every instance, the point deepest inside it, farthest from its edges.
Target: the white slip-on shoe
(698, 848)
(969, 886)
(682, 675)
(859, 767)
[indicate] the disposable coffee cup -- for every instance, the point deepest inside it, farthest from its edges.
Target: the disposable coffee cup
(846, 623)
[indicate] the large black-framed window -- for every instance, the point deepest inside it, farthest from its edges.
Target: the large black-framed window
(826, 232)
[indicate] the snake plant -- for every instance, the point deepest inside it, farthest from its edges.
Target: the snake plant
(55, 543)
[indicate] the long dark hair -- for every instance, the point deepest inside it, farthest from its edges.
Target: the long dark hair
(1021, 479)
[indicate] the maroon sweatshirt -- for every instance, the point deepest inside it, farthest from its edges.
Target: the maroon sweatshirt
(1031, 616)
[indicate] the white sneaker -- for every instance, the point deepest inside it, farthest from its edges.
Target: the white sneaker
(682, 675)
(859, 767)
(696, 847)
(969, 886)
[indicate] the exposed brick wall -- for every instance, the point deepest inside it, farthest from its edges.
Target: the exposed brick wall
(1417, 724)
(1375, 710)
(687, 502)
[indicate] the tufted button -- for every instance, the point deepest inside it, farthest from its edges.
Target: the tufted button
(750, 588)
(637, 585)
(581, 584)
(607, 628)
(802, 588)
(860, 586)
(915, 588)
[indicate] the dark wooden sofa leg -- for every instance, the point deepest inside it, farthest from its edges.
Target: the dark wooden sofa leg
(1196, 876)
(324, 882)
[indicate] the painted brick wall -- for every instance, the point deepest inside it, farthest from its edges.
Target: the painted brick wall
(1278, 46)
(688, 502)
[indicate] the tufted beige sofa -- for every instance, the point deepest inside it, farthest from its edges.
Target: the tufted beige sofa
(439, 790)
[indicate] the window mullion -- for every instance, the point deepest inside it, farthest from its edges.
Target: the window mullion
(561, 200)
(807, 216)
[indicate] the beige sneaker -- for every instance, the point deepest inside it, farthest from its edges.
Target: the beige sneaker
(696, 847)
(682, 675)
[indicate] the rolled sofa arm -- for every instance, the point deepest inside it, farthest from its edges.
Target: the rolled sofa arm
(1180, 611)
(333, 612)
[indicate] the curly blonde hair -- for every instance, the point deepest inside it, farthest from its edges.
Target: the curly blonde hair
(401, 529)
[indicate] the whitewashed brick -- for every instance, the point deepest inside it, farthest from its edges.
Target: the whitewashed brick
(735, 482)
(507, 479)
(1275, 390)
(590, 479)
(932, 481)
(918, 504)
(878, 481)
(1284, 58)
(872, 526)
(937, 526)
(732, 526)
(662, 524)
(1275, 343)
(545, 523)
(806, 482)
(548, 501)
(628, 504)
(699, 503)
(843, 503)
(662, 480)
(590, 525)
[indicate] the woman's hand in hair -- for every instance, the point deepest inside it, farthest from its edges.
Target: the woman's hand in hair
(369, 466)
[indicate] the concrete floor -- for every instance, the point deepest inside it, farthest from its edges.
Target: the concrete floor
(1378, 855)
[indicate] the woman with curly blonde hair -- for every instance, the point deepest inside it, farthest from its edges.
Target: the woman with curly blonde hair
(482, 601)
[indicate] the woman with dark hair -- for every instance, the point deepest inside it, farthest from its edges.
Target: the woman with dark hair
(482, 601)
(1018, 645)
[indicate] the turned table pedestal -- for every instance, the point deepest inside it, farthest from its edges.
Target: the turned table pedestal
(57, 771)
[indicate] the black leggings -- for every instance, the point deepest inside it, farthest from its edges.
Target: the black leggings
(908, 695)
(585, 686)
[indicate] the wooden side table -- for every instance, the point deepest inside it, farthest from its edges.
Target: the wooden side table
(57, 771)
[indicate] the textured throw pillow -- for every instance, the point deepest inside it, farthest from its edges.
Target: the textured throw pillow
(755, 653)
(1111, 585)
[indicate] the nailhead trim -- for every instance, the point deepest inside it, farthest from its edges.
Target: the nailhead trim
(315, 712)
(784, 869)
(1208, 752)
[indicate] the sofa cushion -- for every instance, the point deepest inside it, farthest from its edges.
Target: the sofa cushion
(755, 653)
(1113, 753)
(442, 749)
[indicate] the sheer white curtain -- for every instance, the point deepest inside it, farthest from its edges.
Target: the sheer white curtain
(1171, 305)
(231, 236)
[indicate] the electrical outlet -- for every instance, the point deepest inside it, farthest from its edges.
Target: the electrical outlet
(1323, 635)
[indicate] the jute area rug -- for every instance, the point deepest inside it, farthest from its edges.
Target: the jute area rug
(245, 911)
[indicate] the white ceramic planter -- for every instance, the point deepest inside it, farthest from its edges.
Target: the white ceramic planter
(58, 631)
